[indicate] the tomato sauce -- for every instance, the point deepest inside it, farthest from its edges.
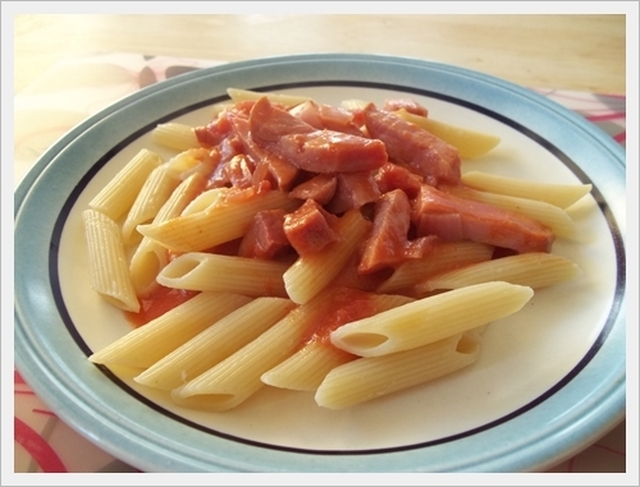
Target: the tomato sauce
(158, 302)
(342, 306)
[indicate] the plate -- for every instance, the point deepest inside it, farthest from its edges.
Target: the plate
(550, 380)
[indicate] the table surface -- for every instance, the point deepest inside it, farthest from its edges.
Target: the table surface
(549, 52)
(573, 52)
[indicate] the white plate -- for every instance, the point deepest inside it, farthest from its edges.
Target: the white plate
(550, 380)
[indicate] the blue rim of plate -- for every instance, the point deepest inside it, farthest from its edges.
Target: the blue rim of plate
(56, 378)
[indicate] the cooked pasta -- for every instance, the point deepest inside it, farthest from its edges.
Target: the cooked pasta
(115, 199)
(175, 136)
(306, 368)
(155, 191)
(202, 271)
(535, 269)
(237, 377)
(107, 261)
(431, 319)
(226, 219)
(550, 215)
(562, 195)
(143, 346)
(149, 256)
(310, 274)
(449, 255)
(369, 378)
(214, 344)
(296, 242)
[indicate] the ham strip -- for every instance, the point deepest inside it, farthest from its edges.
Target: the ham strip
(388, 241)
(320, 188)
(353, 190)
(411, 106)
(429, 156)
(454, 218)
(310, 228)
(265, 238)
(310, 149)
(329, 117)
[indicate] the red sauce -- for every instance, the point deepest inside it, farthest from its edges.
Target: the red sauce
(158, 302)
(342, 306)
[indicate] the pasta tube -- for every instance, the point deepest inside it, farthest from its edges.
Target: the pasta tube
(368, 378)
(536, 269)
(310, 274)
(562, 195)
(201, 271)
(108, 262)
(150, 257)
(226, 219)
(554, 217)
(175, 136)
(144, 346)
(306, 368)
(431, 319)
(154, 193)
(448, 255)
(237, 94)
(115, 199)
(237, 377)
(216, 343)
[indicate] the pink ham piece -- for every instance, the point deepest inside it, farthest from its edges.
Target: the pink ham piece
(388, 241)
(268, 166)
(310, 228)
(320, 188)
(265, 238)
(330, 117)
(310, 149)
(215, 132)
(392, 176)
(453, 218)
(431, 157)
(353, 190)
(411, 106)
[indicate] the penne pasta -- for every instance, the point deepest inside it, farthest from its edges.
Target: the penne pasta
(536, 270)
(310, 274)
(175, 136)
(237, 94)
(149, 256)
(306, 368)
(554, 217)
(448, 255)
(108, 267)
(368, 378)
(115, 199)
(144, 346)
(237, 377)
(155, 191)
(562, 195)
(431, 319)
(216, 343)
(226, 219)
(195, 160)
(202, 271)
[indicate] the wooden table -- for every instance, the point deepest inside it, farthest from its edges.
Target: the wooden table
(575, 52)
